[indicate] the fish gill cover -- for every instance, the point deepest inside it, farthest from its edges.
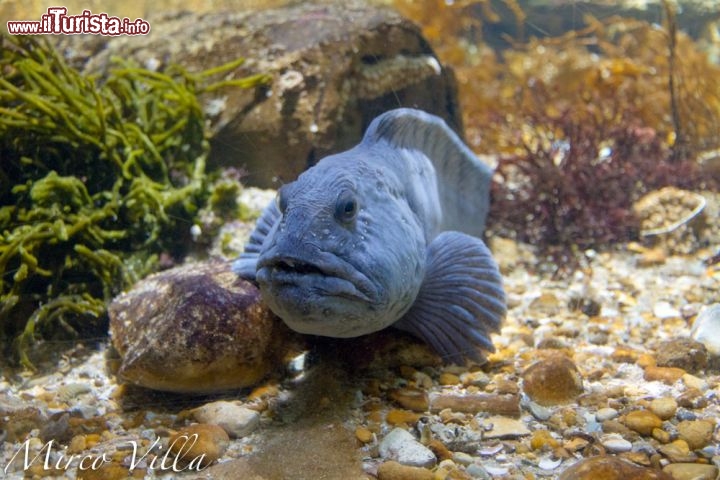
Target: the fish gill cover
(99, 178)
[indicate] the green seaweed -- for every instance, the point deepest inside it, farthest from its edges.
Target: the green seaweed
(98, 180)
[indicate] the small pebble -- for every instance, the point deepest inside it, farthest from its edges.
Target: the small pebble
(615, 443)
(200, 444)
(642, 421)
(237, 420)
(363, 434)
(663, 310)
(77, 444)
(107, 471)
(547, 304)
(67, 392)
(684, 353)
(477, 379)
(668, 375)
(552, 381)
(439, 449)
(684, 414)
(691, 381)
(697, 433)
(400, 417)
(413, 399)
(691, 471)
(463, 458)
(664, 407)
(606, 414)
(549, 464)
(401, 446)
(587, 305)
(497, 470)
(491, 450)
(396, 471)
(475, 403)
(678, 452)
(503, 427)
(690, 399)
(477, 471)
(653, 256)
(447, 469)
(661, 435)
(542, 439)
(576, 444)
(448, 379)
(538, 411)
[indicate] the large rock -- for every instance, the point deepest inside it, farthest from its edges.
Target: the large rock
(196, 329)
(334, 67)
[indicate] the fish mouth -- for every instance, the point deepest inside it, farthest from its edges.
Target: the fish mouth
(326, 274)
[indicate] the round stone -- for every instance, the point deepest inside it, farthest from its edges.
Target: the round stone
(197, 328)
(396, 471)
(697, 433)
(606, 413)
(642, 421)
(237, 420)
(615, 443)
(685, 353)
(552, 381)
(413, 399)
(664, 407)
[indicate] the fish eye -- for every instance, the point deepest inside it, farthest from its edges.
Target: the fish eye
(281, 200)
(346, 207)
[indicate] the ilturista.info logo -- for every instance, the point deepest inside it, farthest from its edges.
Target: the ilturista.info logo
(57, 22)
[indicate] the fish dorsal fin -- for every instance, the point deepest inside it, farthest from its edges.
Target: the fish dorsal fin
(463, 179)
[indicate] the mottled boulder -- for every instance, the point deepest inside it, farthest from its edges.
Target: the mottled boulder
(334, 67)
(196, 329)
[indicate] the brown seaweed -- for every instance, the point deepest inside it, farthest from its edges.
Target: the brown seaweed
(583, 123)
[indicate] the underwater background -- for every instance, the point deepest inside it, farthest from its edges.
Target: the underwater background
(126, 157)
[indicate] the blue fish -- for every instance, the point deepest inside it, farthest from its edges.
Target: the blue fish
(384, 234)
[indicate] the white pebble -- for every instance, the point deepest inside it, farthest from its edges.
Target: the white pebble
(237, 420)
(401, 446)
(691, 381)
(663, 310)
(491, 450)
(606, 414)
(497, 470)
(463, 458)
(615, 443)
(549, 463)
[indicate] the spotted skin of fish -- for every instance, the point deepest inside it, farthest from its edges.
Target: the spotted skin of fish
(384, 234)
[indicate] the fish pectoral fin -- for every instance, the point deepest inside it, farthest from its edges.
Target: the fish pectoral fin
(246, 264)
(461, 300)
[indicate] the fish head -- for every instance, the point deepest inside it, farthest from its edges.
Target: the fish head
(347, 256)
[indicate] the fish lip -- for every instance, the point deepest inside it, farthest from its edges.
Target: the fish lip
(325, 264)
